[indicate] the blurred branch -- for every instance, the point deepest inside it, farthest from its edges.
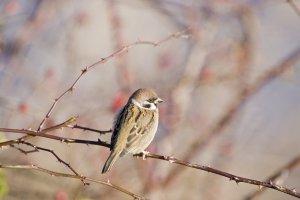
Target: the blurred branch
(59, 174)
(210, 134)
(294, 6)
(232, 177)
(124, 49)
(125, 77)
(277, 176)
(37, 148)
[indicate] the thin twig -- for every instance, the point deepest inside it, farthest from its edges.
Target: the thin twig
(287, 168)
(232, 177)
(59, 174)
(22, 150)
(37, 148)
(118, 52)
(61, 125)
(90, 129)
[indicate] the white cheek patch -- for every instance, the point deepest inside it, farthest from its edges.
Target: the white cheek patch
(149, 106)
(136, 103)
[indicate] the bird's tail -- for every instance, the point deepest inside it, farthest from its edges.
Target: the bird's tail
(110, 161)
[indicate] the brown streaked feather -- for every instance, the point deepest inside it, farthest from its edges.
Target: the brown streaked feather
(124, 116)
(135, 126)
(135, 122)
(136, 139)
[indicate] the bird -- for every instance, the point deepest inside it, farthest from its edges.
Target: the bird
(135, 126)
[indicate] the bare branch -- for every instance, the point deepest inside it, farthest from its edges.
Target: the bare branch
(90, 129)
(37, 148)
(45, 135)
(59, 174)
(232, 177)
(22, 150)
(118, 52)
(237, 179)
(30, 133)
(277, 175)
(62, 125)
(247, 92)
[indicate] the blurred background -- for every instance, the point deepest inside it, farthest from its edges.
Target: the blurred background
(225, 105)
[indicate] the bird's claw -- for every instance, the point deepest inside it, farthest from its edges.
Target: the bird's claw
(144, 154)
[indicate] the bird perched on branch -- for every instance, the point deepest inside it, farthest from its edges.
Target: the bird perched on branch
(135, 126)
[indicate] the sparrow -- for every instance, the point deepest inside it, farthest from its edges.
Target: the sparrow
(134, 127)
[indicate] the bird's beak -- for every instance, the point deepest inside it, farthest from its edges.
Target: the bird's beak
(159, 100)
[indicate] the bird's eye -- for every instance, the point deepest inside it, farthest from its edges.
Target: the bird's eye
(147, 105)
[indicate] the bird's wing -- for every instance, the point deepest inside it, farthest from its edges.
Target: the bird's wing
(123, 124)
(143, 122)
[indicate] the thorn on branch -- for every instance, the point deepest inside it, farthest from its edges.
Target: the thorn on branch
(278, 187)
(271, 182)
(175, 35)
(234, 178)
(103, 60)
(82, 178)
(83, 71)
(126, 49)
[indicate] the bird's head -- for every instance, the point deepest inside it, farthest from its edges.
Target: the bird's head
(145, 98)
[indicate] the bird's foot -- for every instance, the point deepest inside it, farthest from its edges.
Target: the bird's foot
(142, 154)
